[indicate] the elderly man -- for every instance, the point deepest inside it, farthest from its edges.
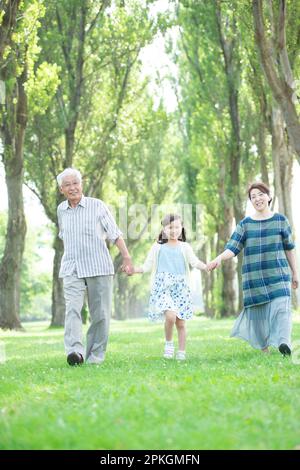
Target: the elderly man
(84, 224)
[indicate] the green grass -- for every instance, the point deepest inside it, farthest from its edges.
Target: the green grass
(226, 395)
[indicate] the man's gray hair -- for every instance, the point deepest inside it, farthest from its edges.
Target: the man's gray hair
(68, 172)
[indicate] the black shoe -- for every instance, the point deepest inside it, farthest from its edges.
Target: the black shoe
(284, 349)
(74, 359)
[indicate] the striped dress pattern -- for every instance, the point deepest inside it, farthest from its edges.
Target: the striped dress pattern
(265, 272)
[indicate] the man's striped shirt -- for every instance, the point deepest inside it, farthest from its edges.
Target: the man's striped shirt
(84, 230)
(265, 272)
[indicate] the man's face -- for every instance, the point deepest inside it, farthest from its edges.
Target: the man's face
(71, 188)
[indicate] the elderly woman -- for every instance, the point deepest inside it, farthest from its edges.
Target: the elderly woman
(84, 224)
(268, 262)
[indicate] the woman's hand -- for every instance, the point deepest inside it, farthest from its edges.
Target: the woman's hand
(295, 281)
(216, 263)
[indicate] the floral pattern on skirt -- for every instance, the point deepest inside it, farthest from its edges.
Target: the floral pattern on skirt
(170, 292)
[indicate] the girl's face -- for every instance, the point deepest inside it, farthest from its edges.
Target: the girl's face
(260, 200)
(173, 230)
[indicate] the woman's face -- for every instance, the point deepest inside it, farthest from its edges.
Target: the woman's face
(260, 200)
(173, 230)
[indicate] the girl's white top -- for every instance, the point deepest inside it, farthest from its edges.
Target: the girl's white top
(190, 259)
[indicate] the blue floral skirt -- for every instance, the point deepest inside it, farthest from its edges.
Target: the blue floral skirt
(170, 292)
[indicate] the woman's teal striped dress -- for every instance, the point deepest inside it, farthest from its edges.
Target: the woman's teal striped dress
(266, 318)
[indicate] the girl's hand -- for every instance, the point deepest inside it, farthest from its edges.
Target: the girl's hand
(129, 270)
(127, 266)
(216, 263)
(295, 281)
(134, 271)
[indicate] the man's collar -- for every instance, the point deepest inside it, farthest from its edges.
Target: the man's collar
(66, 204)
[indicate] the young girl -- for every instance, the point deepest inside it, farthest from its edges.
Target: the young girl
(268, 262)
(169, 259)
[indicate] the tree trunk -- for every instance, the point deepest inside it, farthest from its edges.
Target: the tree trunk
(280, 81)
(58, 300)
(228, 294)
(258, 88)
(121, 297)
(121, 291)
(283, 171)
(229, 46)
(75, 95)
(14, 125)
(10, 268)
(262, 152)
(207, 282)
(283, 165)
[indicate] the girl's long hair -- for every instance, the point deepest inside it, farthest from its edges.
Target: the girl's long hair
(167, 220)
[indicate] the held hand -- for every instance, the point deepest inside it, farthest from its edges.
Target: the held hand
(127, 266)
(216, 263)
(129, 271)
(210, 266)
(295, 281)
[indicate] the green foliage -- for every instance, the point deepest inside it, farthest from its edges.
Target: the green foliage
(111, 90)
(24, 48)
(124, 145)
(222, 94)
(119, 136)
(41, 88)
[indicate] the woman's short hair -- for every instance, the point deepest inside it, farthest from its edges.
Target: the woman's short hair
(261, 187)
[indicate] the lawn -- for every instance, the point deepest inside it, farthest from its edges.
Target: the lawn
(225, 396)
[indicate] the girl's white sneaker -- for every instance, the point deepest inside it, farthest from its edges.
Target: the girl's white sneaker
(180, 356)
(169, 352)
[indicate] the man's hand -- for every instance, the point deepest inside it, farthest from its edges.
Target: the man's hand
(127, 266)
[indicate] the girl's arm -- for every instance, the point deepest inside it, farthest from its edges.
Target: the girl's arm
(137, 270)
(193, 260)
(216, 263)
(291, 257)
(202, 266)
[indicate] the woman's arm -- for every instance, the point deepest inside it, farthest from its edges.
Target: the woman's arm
(291, 257)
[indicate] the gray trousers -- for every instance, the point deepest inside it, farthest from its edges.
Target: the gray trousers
(99, 292)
